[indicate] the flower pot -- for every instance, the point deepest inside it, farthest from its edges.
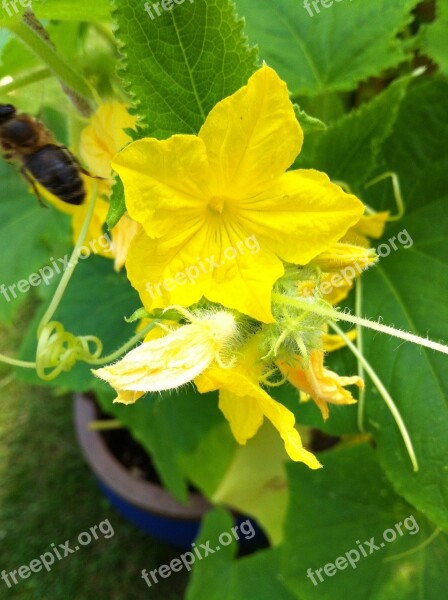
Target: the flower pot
(147, 505)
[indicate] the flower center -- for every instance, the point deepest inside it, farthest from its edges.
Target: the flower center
(216, 204)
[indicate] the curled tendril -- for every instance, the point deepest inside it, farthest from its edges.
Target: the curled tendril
(59, 350)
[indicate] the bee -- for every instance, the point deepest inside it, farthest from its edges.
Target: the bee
(43, 160)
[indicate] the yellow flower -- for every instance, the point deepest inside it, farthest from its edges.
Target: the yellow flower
(332, 342)
(245, 404)
(104, 136)
(322, 385)
(341, 264)
(369, 226)
(122, 235)
(339, 256)
(199, 196)
(171, 361)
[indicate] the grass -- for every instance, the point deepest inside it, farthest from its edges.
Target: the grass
(48, 495)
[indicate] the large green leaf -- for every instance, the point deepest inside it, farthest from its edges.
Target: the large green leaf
(408, 288)
(347, 151)
(221, 578)
(347, 506)
(326, 49)
(434, 37)
(179, 64)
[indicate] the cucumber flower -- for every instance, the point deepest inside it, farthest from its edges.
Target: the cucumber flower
(199, 196)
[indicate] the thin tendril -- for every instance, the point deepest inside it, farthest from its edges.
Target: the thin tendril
(424, 544)
(17, 363)
(397, 194)
(385, 395)
(129, 344)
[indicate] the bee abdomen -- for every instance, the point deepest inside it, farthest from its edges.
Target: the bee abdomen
(56, 170)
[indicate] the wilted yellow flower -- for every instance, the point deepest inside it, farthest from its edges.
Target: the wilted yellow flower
(173, 360)
(198, 196)
(322, 385)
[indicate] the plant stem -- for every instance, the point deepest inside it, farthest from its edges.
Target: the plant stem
(72, 263)
(384, 393)
(24, 80)
(105, 425)
(33, 35)
(332, 313)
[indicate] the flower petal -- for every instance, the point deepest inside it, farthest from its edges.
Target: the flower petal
(252, 137)
(301, 215)
(122, 235)
(165, 182)
(227, 267)
(369, 226)
(173, 360)
(104, 137)
(244, 403)
(168, 270)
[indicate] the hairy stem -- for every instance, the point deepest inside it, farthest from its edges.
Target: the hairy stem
(384, 393)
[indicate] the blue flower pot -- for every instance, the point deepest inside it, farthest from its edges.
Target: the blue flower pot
(145, 504)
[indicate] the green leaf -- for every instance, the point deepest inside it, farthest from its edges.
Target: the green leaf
(434, 37)
(328, 49)
(117, 206)
(95, 303)
(179, 64)
(349, 510)
(29, 237)
(307, 122)
(221, 578)
(67, 10)
(347, 151)
(408, 289)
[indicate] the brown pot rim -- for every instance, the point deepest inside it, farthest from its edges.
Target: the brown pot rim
(146, 495)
